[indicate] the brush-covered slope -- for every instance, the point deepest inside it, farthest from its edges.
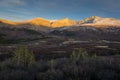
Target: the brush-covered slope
(9, 35)
(89, 33)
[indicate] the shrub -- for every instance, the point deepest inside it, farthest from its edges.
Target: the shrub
(52, 64)
(16, 75)
(50, 75)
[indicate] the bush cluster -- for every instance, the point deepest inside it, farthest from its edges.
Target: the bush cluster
(79, 66)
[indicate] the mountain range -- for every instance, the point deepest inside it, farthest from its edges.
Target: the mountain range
(92, 28)
(95, 21)
(42, 22)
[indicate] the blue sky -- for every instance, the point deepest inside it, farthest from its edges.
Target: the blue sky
(58, 9)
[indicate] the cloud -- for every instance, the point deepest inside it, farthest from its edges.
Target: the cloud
(11, 3)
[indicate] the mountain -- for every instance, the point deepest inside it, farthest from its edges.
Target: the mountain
(13, 32)
(42, 22)
(91, 19)
(63, 22)
(92, 28)
(3, 21)
(39, 22)
(97, 21)
(94, 21)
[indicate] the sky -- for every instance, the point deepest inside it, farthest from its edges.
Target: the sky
(18, 10)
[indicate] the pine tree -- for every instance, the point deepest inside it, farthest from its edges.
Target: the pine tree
(78, 54)
(23, 56)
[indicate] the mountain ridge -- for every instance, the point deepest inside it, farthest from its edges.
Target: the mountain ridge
(42, 22)
(93, 21)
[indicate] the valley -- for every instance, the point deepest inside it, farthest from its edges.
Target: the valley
(57, 47)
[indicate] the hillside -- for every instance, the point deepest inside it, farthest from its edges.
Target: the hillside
(18, 35)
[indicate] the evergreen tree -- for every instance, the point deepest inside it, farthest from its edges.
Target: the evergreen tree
(78, 54)
(23, 56)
